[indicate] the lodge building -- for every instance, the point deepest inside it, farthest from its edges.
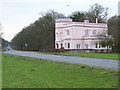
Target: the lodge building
(78, 35)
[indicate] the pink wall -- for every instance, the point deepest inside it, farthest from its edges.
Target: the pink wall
(77, 33)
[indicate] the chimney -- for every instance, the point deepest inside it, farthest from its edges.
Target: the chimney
(96, 20)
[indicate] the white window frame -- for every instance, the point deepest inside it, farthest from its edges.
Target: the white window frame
(65, 45)
(78, 46)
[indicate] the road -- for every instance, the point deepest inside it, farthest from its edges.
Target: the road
(104, 63)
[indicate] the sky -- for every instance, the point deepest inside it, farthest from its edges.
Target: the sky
(17, 14)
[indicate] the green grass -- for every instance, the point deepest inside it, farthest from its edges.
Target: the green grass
(24, 72)
(113, 56)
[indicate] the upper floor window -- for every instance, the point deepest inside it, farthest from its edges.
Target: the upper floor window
(94, 32)
(68, 32)
(86, 32)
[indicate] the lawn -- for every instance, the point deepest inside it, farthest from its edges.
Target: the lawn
(24, 72)
(113, 56)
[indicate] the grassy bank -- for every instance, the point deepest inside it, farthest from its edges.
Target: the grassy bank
(113, 56)
(24, 72)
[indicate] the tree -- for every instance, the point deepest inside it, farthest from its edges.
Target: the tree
(38, 35)
(95, 11)
(78, 16)
(106, 40)
(99, 12)
(114, 29)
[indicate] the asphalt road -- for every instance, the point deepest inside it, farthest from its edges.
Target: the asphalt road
(104, 63)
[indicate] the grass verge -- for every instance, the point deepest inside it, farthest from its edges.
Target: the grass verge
(24, 72)
(113, 56)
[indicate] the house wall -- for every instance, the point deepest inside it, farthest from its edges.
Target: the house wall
(77, 35)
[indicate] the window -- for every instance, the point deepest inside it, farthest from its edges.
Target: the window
(86, 32)
(86, 46)
(68, 45)
(68, 32)
(94, 32)
(99, 45)
(61, 45)
(96, 45)
(78, 46)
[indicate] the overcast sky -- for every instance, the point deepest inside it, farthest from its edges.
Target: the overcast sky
(17, 14)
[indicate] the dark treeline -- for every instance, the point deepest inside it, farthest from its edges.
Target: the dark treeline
(114, 29)
(41, 34)
(38, 35)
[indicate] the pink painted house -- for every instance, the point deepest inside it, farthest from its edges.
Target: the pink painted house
(78, 35)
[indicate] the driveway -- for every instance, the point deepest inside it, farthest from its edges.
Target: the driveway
(104, 63)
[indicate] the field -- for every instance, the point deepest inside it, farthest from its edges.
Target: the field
(24, 72)
(113, 56)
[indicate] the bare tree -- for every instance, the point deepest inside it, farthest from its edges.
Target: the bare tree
(99, 12)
